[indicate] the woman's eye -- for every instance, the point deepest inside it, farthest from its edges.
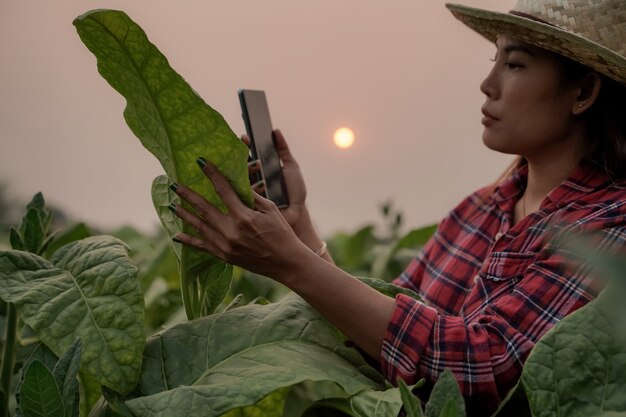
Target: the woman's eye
(513, 65)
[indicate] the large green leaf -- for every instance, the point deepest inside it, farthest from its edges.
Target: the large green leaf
(170, 120)
(579, 367)
(270, 406)
(89, 290)
(212, 365)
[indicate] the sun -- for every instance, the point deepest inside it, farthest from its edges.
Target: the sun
(344, 138)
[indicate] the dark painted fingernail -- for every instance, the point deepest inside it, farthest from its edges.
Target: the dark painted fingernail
(253, 164)
(172, 207)
(201, 162)
(177, 240)
(173, 186)
(258, 184)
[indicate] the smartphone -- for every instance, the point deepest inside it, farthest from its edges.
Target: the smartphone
(256, 116)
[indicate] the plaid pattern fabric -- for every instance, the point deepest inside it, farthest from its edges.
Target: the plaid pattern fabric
(490, 290)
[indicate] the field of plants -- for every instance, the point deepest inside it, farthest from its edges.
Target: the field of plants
(121, 323)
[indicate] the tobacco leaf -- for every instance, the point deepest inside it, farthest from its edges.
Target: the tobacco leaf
(174, 123)
(219, 363)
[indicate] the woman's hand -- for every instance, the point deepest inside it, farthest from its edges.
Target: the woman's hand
(294, 182)
(296, 214)
(259, 239)
(262, 241)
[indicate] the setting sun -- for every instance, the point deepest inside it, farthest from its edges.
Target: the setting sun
(344, 138)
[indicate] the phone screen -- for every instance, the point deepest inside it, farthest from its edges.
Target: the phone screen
(256, 116)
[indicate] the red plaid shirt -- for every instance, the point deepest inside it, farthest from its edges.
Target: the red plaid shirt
(490, 290)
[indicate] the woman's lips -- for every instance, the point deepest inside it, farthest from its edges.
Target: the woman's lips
(488, 118)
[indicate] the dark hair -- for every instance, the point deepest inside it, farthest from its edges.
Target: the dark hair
(606, 121)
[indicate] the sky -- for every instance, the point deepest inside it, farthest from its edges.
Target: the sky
(404, 75)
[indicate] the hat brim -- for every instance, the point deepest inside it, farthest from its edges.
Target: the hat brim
(491, 24)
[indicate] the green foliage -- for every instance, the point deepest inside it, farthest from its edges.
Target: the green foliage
(88, 290)
(33, 234)
(445, 398)
(376, 403)
(579, 367)
(49, 387)
(261, 347)
(270, 406)
(411, 403)
(382, 254)
(175, 125)
(282, 353)
(76, 232)
(39, 393)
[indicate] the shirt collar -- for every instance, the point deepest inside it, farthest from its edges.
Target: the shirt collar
(586, 178)
(507, 192)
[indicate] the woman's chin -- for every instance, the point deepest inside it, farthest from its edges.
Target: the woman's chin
(497, 144)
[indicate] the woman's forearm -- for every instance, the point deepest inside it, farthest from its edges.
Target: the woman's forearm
(359, 311)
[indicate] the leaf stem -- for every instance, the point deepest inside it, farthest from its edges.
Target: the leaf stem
(8, 358)
(186, 289)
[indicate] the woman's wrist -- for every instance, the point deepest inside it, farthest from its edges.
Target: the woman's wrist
(322, 250)
(306, 232)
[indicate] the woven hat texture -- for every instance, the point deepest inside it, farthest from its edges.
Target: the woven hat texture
(592, 32)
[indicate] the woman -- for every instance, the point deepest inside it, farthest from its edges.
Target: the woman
(493, 278)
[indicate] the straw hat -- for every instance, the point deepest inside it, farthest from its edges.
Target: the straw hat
(592, 32)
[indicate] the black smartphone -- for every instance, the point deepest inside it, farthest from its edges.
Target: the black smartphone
(256, 116)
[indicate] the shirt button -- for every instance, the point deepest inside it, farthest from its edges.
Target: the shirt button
(499, 236)
(476, 278)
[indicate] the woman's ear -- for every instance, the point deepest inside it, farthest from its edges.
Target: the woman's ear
(588, 92)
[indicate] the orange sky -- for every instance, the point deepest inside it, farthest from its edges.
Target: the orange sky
(402, 74)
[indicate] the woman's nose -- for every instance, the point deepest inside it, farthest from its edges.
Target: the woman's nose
(488, 86)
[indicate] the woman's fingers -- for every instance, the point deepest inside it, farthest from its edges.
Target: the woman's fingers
(205, 209)
(191, 219)
(261, 203)
(281, 146)
(259, 187)
(193, 241)
(221, 185)
(246, 139)
(254, 167)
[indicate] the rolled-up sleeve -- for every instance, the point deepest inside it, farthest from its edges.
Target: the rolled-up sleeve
(407, 335)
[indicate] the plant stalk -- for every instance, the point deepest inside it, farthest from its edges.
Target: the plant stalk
(8, 358)
(186, 289)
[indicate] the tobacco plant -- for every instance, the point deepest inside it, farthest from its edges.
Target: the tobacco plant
(84, 290)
